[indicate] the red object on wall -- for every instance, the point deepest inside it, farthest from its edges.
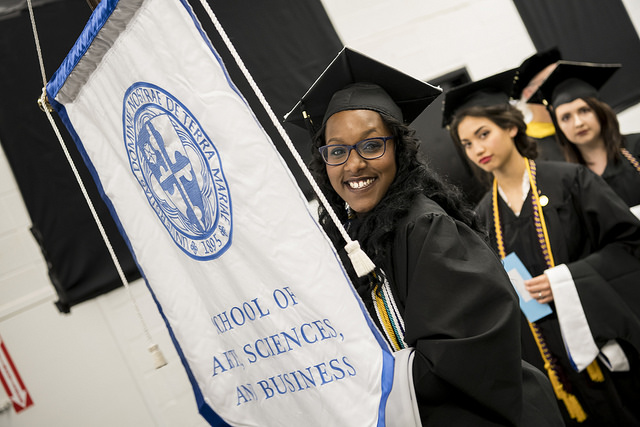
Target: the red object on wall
(12, 382)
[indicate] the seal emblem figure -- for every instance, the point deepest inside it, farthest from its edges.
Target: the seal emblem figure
(179, 170)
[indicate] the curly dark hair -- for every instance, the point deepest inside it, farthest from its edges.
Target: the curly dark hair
(505, 116)
(413, 177)
(609, 129)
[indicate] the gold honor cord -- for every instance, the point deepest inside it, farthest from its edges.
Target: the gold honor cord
(389, 316)
(541, 227)
(632, 160)
(570, 401)
(386, 321)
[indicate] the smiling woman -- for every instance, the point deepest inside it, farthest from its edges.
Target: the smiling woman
(438, 291)
(361, 180)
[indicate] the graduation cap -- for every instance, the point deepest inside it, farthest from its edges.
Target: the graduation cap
(572, 80)
(492, 90)
(532, 66)
(354, 81)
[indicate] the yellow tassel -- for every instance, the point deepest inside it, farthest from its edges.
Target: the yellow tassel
(573, 407)
(570, 401)
(595, 373)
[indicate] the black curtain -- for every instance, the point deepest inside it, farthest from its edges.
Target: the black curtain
(593, 31)
(79, 264)
(284, 43)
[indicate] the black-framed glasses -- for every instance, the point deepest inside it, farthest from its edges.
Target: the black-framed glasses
(368, 149)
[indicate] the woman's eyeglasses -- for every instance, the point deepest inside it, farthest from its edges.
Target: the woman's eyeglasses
(368, 149)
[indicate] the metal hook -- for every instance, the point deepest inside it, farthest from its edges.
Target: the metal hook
(43, 101)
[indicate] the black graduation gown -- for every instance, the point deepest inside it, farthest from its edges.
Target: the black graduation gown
(622, 177)
(461, 316)
(593, 232)
(549, 148)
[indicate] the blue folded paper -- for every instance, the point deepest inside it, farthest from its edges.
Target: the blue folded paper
(518, 273)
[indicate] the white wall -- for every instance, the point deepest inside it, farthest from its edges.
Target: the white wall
(91, 368)
(427, 39)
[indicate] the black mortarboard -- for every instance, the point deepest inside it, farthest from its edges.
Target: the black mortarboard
(532, 66)
(354, 81)
(572, 80)
(493, 90)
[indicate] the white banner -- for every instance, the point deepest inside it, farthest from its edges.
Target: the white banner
(261, 311)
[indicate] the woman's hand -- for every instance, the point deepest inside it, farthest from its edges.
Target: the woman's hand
(540, 289)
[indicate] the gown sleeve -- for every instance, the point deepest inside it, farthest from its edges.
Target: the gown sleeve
(462, 316)
(623, 177)
(607, 279)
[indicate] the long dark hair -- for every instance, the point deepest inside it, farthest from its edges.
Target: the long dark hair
(609, 129)
(506, 117)
(413, 177)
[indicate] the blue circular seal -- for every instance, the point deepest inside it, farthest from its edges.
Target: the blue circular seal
(179, 170)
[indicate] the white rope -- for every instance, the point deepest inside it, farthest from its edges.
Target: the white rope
(153, 348)
(361, 262)
(159, 360)
(37, 40)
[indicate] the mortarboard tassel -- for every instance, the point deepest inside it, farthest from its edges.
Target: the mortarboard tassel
(308, 122)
